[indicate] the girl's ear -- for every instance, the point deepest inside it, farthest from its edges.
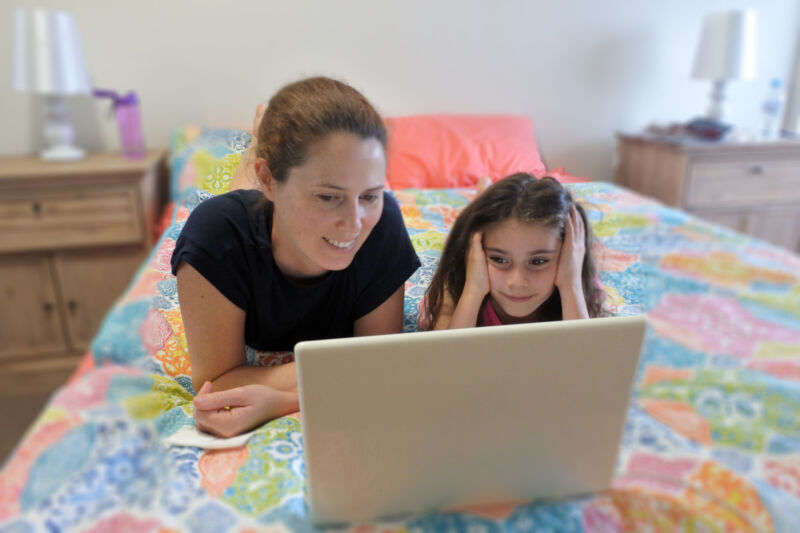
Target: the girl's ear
(265, 177)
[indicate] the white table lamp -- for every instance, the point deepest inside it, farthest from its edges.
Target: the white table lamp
(48, 60)
(726, 51)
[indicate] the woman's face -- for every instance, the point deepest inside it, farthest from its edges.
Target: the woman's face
(326, 208)
(522, 259)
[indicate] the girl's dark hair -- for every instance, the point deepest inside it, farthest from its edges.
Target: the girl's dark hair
(304, 112)
(527, 199)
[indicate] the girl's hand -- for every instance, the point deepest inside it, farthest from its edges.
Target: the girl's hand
(477, 282)
(260, 109)
(235, 411)
(573, 250)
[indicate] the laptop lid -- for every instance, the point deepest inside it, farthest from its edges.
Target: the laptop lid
(413, 422)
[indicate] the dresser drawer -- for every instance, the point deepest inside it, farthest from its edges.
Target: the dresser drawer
(64, 217)
(742, 182)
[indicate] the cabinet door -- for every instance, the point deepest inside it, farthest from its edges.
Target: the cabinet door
(738, 220)
(30, 323)
(90, 282)
(778, 225)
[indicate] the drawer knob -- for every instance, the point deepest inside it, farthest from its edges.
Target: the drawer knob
(72, 305)
(757, 170)
(48, 307)
(37, 207)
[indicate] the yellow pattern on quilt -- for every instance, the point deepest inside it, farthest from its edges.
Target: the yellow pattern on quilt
(215, 175)
(165, 394)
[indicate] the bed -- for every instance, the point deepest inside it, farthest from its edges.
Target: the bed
(711, 442)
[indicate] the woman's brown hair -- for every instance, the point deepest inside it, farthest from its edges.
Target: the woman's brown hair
(527, 199)
(304, 112)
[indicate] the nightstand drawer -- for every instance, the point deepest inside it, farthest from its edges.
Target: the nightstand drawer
(747, 182)
(64, 217)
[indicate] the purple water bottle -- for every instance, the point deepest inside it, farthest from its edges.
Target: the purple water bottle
(126, 108)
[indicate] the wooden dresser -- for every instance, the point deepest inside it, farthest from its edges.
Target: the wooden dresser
(753, 188)
(71, 237)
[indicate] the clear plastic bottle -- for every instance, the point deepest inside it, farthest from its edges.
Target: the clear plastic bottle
(772, 111)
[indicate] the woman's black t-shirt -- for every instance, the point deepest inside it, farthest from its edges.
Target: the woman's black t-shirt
(227, 240)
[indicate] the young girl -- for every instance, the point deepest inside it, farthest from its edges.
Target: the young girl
(517, 253)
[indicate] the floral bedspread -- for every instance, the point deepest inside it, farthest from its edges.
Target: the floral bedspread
(711, 443)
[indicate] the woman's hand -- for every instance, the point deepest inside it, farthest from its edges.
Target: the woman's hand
(573, 250)
(235, 411)
(477, 278)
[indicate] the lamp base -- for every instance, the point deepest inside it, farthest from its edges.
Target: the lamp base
(58, 132)
(717, 107)
(707, 129)
(62, 153)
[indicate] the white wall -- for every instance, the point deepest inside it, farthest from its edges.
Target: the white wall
(582, 69)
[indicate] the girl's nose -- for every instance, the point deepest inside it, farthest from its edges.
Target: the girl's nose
(517, 278)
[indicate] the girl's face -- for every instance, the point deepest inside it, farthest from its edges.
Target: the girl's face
(522, 262)
(326, 208)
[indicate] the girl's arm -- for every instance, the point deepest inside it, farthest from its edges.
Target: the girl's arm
(245, 177)
(464, 314)
(569, 278)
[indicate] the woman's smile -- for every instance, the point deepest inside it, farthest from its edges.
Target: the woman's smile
(341, 245)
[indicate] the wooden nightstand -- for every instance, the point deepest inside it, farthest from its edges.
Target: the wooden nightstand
(753, 188)
(71, 237)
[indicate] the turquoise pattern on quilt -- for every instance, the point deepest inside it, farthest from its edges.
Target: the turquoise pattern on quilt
(711, 441)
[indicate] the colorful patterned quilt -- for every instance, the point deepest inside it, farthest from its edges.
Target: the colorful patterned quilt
(711, 443)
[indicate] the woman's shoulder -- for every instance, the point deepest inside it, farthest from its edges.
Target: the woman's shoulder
(389, 238)
(240, 211)
(391, 215)
(233, 202)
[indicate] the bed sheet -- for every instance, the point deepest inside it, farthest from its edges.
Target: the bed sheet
(711, 442)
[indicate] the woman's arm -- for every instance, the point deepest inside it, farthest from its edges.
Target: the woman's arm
(214, 329)
(233, 396)
(386, 318)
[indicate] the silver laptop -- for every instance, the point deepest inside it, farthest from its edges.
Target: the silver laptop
(415, 422)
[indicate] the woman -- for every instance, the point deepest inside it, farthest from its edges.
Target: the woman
(319, 252)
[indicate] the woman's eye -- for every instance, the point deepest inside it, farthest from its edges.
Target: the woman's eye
(326, 197)
(369, 197)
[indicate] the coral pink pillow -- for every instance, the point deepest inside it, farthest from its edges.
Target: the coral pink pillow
(440, 151)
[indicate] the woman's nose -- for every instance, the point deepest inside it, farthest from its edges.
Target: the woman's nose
(351, 217)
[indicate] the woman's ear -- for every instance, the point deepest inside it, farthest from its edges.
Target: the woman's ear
(264, 177)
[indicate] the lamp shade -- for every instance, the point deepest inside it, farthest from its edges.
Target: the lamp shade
(47, 53)
(727, 46)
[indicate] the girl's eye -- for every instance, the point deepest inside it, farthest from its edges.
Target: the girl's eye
(369, 197)
(537, 261)
(327, 197)
(499, 260)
